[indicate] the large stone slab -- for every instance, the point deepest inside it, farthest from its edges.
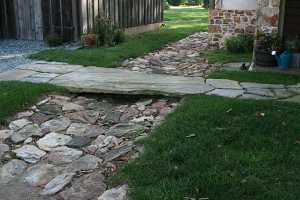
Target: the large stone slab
(227, 93)
(119, 81)
(40, 77)
(224, 84)
(55, 68)
(15, 75)
(248, 85)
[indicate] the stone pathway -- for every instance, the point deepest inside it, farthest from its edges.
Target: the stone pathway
(181, 58)
(121, 81)
(65, 147)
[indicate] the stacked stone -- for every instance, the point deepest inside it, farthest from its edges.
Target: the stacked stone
(226, 23)
(65, 147)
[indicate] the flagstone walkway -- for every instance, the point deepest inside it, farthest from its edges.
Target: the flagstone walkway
(121, 81)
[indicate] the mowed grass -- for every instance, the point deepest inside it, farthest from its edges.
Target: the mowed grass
(258, 77)
(180, 22)
(16, 96)
(219, 149)
(223, 56)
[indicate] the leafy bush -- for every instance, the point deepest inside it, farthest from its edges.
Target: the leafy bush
(166, 5)
(239, 44)
(107, 33)
(54, 40)
(175, 2)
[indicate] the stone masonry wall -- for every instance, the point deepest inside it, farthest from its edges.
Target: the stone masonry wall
(268, 15)
(226, 23)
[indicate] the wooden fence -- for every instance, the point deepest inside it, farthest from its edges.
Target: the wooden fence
(36, 19)
(124, 13)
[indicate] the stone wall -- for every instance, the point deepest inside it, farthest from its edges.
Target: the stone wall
(268, 15)
(226, 23)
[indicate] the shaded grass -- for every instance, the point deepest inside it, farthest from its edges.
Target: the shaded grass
(258, 77)
(223, 56)
(16, 96)
(179, 24)
(219, 148)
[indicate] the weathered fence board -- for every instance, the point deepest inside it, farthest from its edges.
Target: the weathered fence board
(37, 19)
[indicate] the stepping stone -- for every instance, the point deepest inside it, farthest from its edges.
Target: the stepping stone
(51, 68)
(50, 109)
(77, 129)
(85, 163)
(88, 116)
(227, 93)
(40, 175)
(88, 186)
(260, 91)
(15, 75)
(282, 93)
(247, 85)
(26, 132)
(224, 84)
(57, 184)
(119, 193)
(255, 97)
(29, 153)
(120, 81)
(40, 77)
(52, 141)
(125, 129)
(115, 153)
(56, 125)
(63, 155)
(103, 143)
(11, 170)
(19, 124)
(295, 99)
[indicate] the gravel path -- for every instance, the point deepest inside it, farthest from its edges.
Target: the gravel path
(14, 52)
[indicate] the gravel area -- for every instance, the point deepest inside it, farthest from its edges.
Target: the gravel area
(14, 52)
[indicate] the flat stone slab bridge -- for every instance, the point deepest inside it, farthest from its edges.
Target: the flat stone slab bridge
(81, 79)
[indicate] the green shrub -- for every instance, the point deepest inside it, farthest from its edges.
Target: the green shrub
(239, 44)
(54, 40)
(107, 33)
(175, 2)
(166, 5)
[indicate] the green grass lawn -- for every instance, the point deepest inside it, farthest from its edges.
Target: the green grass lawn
(220, 149)
(180, 22)
(258, 77)
(223, 56)
(16, 96)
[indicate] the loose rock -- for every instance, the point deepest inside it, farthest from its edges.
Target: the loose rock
(30, 153)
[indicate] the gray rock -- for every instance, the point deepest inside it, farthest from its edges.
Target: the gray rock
(119, 193)
(63, 155)
(40, 77)
(103, 144)
(30, 153)
(227, 93)
(87, 116)
(85, 163)
(79, 142)
(52, 141)
(57, 184)
(100, 106)
(255, 97)
(40, 175)
(260, 92)
(282, 93)
(39, 118)
(11, 170)
(5, 134)
(50, 109)
(77, 129)
(115, 153)
(112, 117)
(4, 148)
(26, 132)
(87, 187)
(56, 125)
(25, 114)
(223, 84)
(119, 81)
(56, 68)
(68, 106)
(295, 99)
(125, 129)
(19, 124)
(247, 85)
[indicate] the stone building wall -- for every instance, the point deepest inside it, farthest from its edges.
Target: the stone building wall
(226, 23)
(268, 15)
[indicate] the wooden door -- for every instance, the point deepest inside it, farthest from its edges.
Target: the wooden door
(292, 19)
(29, 19)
